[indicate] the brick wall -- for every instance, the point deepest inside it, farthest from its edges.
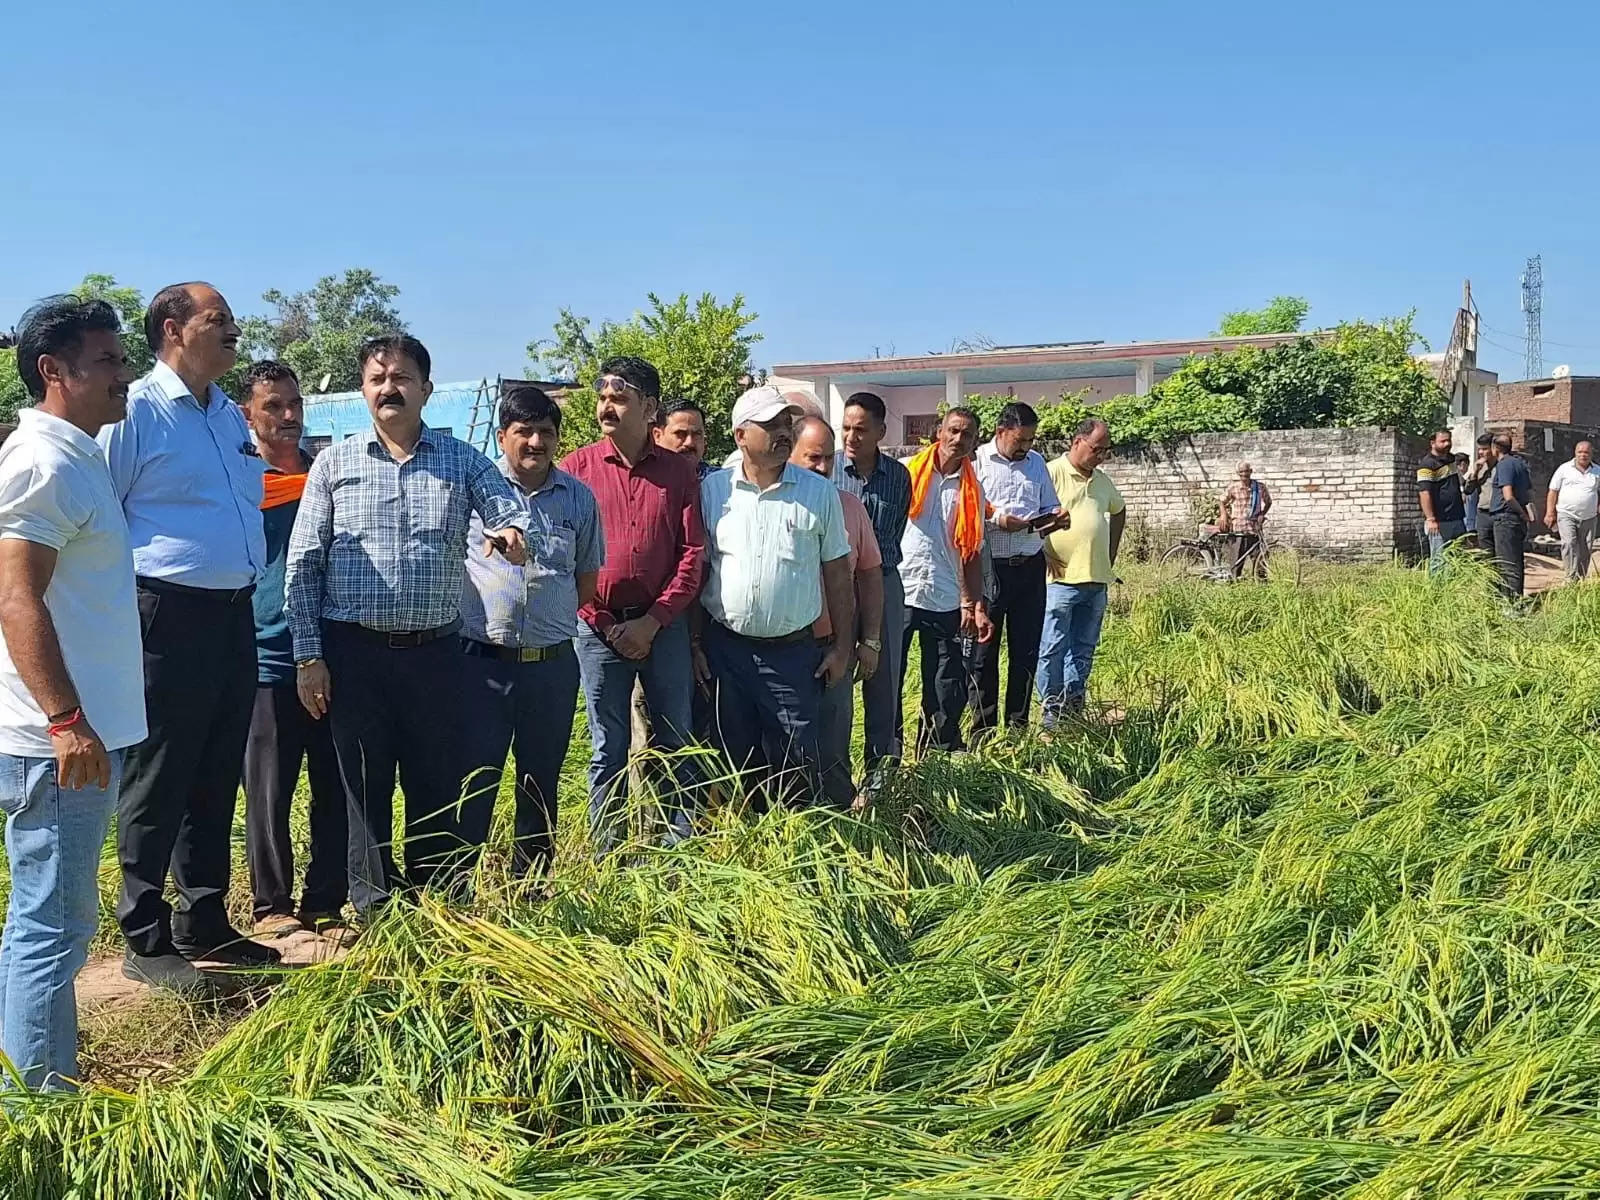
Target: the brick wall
(1342, 494)
(1574, 400)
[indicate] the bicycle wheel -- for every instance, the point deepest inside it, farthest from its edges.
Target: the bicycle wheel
(1187, 560)
(1279, 562)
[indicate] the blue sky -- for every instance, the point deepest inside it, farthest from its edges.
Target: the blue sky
(886, 176)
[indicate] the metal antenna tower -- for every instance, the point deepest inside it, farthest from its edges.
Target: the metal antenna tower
(1532, 306)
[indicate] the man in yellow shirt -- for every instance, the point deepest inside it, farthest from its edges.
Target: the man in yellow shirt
(1078, 567)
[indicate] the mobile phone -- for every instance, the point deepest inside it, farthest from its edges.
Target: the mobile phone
(1040, 518)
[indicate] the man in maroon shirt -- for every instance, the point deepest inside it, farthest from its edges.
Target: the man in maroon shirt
(637, 627)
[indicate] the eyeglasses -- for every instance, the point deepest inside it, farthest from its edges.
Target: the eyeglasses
(615, 383)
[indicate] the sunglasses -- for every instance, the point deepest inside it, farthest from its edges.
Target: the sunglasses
(615, 383)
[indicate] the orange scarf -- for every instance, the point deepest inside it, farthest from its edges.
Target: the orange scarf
(278, 490)
(971, 509)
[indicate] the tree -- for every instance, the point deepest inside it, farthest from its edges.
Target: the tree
(1284, 314)
(319, 333)
(702, 352)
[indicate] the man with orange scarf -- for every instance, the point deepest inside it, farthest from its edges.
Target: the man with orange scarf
(942, 569)
(281, 731)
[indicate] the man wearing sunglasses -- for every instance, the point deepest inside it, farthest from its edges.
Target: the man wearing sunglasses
(636, 625)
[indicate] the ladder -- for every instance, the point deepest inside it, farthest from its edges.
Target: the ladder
(480, 430)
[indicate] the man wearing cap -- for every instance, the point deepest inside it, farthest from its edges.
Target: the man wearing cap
(771, 529)
(805, 403)
(635, 627)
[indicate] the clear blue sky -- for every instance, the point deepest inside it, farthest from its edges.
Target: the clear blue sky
(869, 175)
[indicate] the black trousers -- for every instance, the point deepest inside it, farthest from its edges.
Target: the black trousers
(180, 784)
(282, 733)
(1243, 544)
(526, 708)
(396, 709)
(1510, 532)
(944, 676)
(1018, 615)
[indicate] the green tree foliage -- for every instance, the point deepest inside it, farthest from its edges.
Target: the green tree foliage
(1356, 374)
(319, 332)
(1283, 314)
(701, 349)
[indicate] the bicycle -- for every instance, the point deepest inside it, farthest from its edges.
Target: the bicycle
(1210, 556)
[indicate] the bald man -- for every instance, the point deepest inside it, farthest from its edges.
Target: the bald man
(190, 481)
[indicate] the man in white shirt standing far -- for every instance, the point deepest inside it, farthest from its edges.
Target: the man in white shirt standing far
(1571, 506)
(71, 685)
(1016, 481)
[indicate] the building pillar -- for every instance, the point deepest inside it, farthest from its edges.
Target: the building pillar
(953, 394)
(832, 403)
(1144, 376)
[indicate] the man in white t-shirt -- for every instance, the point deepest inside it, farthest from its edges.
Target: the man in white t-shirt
(1571, 506)
(71, 677)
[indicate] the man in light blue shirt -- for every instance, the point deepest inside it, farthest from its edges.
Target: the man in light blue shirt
(517, 626)
(771, 529)
(187, 473)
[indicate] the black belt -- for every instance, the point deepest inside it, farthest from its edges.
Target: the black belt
(803, 634)
(165, 587)
(407, 640)
(1018, 560)
(516, 654)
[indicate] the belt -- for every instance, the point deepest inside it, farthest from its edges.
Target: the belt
(802, 634)
(1018, 560)
(165, 587)
(516, 654)
(407, 640)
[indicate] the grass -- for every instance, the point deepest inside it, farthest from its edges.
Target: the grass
(1319, 915)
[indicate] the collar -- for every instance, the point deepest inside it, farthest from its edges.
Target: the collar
(993, 451)
(556, 478)
(850, 466)
(790, 477)
(424, 438)
(305, 459)
(611, 454)
(53, 428)
(1077, 474)
(174, 388)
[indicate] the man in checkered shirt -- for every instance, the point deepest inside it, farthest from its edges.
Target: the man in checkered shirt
(373, 597)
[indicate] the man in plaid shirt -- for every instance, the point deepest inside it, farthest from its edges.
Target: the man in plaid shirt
(373, 597)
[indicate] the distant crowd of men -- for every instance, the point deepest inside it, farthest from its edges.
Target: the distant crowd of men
(1491, 501)
(188, 600)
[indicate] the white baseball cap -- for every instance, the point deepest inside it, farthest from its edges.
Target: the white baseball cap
(761, 404)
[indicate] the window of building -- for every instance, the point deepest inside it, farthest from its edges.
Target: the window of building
(920, 427)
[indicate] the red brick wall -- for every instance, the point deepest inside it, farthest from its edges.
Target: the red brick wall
(1570, 401)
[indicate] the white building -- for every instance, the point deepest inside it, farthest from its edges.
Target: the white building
(913, 388)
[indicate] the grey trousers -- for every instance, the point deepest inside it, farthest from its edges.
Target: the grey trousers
(1576, 538)
(835, 717)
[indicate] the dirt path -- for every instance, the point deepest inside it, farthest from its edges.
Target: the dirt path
(102, 985)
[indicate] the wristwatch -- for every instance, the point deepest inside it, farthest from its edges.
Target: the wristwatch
(873, 644)
(306, 662)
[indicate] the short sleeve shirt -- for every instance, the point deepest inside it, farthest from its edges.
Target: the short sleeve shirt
(1081, 553)
(1437, 476)
(864, 552)
(1510, 472)
(1577, 492)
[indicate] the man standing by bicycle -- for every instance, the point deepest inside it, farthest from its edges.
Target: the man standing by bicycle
(1244, 510)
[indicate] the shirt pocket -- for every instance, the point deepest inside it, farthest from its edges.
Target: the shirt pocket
(559, 551)
(435, 504)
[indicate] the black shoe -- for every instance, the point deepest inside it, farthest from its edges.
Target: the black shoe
(235, 951)
(168, 972)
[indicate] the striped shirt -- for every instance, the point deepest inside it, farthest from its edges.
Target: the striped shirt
(381, 543)
(765, 549)
(1017, 489)
(534, 605)
(886, 492)
(189, 479)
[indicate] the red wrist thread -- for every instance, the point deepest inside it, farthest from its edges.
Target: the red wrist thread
(61, 727)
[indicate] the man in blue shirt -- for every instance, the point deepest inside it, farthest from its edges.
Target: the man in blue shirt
(374, 583)
(1511, 513)
(189, 480)
(517, 626)
(282, 733)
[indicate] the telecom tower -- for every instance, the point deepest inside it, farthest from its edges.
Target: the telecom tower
(1532, 305)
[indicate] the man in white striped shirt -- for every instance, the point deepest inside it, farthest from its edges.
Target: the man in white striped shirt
(771, 528)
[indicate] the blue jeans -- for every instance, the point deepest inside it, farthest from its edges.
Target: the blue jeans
(1449, 531)
(668, 679)
(1073, 613)
(53, 841)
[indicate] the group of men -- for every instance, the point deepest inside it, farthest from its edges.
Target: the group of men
(188, 601)
(1491, 500)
